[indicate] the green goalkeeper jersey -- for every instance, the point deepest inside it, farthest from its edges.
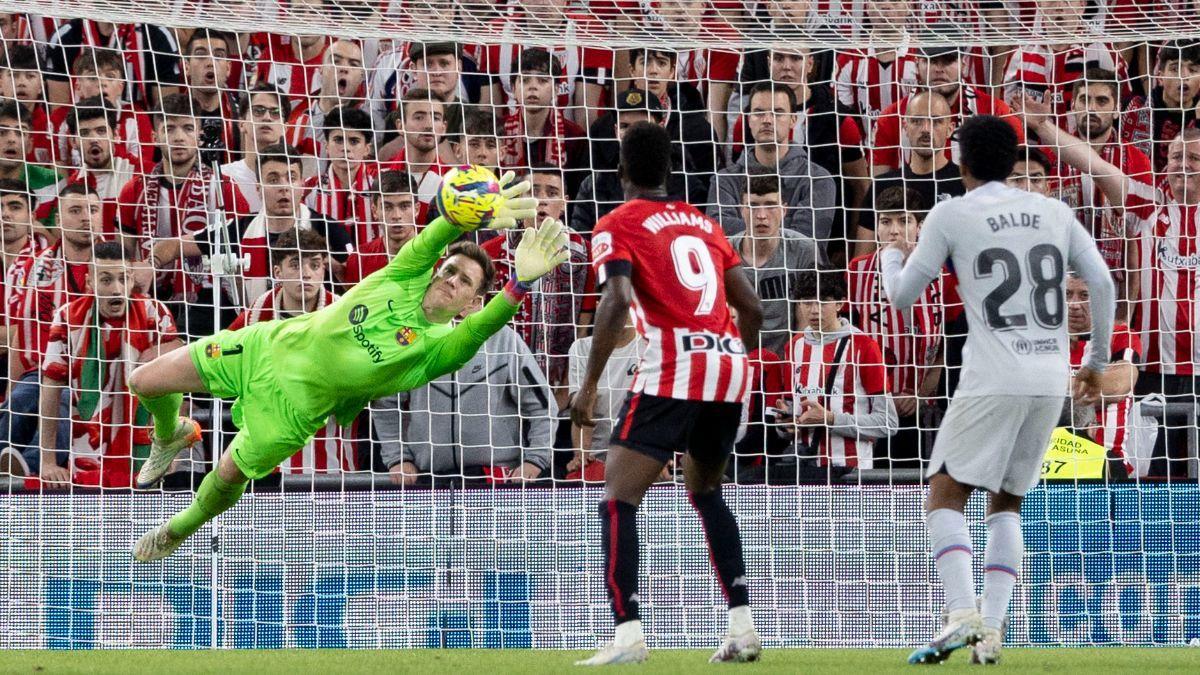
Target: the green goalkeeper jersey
(375, 341)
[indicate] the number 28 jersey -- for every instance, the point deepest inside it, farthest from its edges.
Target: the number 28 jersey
(1010, 250)
(676, 259)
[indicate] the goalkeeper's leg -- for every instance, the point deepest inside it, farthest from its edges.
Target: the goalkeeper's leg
(159, 386)
(703, 477)
(219, 491)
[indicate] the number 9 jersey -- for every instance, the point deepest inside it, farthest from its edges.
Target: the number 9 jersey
(676, 259)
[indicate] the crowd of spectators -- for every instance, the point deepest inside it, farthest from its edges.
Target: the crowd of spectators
(160, 184)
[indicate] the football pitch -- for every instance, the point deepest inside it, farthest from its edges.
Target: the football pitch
(466, 661)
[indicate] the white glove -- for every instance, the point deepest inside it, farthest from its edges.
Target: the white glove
(541, 250)
(513, 208)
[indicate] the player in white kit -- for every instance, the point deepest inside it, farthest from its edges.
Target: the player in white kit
(1010, 250)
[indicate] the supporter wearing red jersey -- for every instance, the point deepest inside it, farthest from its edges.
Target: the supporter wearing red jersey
(838, 381)
(298, 268)
(537, 131)
(95, 342)
(713, 71)
(341, 192)
(103, 165)
(1050, 71)
(290, 64)
(868, 80)
(1110, 424)
(263, 113)
(21, 246)
(421, 122)
(342, 82)
(550, 316)
(911, 341)
(395, 209)
(1165, 313)
(37, 289)
(21, 80)
(253, 237)
(1096, 110)
(1153, 122)
(940, 69)
(100, 72)
(206, 67)
(172, 201)
(691, 384)
(585, 71)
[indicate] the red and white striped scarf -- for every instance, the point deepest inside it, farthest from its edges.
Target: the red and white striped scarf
(552, 138)
(350, 206)
(187, 213)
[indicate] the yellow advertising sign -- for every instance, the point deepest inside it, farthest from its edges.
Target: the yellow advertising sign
(1070, 457)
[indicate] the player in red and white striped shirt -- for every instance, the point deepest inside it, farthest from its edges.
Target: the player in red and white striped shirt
(911, 341)
(673, 265)
(842, 419)
(1110, 426)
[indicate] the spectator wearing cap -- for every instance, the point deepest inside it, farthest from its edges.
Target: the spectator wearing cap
(601, 191)
(657, 72)
(807, 189)
(938, 69)
(537, 131)
(441, 68)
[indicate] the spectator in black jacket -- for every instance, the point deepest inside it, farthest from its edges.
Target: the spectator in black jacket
(601, 192)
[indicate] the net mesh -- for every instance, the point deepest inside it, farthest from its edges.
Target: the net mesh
(260, 174)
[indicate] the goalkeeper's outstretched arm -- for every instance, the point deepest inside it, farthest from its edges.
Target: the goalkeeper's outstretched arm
(539, 252)
(422, 253)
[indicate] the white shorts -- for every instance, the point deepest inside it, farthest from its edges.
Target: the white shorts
(996, 442)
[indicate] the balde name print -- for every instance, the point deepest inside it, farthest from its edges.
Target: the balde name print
(1005, 221)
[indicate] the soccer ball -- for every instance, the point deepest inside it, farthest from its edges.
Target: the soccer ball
(469, 196)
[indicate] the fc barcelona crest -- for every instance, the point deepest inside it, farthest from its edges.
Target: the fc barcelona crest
(406, 336)
(212, 350)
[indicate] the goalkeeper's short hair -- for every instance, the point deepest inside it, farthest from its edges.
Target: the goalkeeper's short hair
(475, 252)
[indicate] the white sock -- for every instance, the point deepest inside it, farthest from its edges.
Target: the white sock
(952, 557)
(628, 634)
(740, 621)
(1001, 565)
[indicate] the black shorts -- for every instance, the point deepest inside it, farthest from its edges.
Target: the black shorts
(660, 427)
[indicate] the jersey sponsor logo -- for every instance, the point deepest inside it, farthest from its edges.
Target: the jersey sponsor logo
(707, 342)
(213, 350)
(358, 314)
(405, 336)
(1172, 258)
(602, 246)
(1046, 346)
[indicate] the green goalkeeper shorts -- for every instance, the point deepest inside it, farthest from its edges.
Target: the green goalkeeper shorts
(237, 364)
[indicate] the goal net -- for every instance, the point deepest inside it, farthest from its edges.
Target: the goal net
(172, 169)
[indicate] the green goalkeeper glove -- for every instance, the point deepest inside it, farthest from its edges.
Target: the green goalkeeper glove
(541, 250)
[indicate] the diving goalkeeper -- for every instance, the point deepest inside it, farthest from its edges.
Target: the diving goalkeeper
(388, 334)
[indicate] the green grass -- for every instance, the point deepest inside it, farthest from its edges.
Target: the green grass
(470, 662)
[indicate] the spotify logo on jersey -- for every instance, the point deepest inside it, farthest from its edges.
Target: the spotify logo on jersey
(358, 314)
